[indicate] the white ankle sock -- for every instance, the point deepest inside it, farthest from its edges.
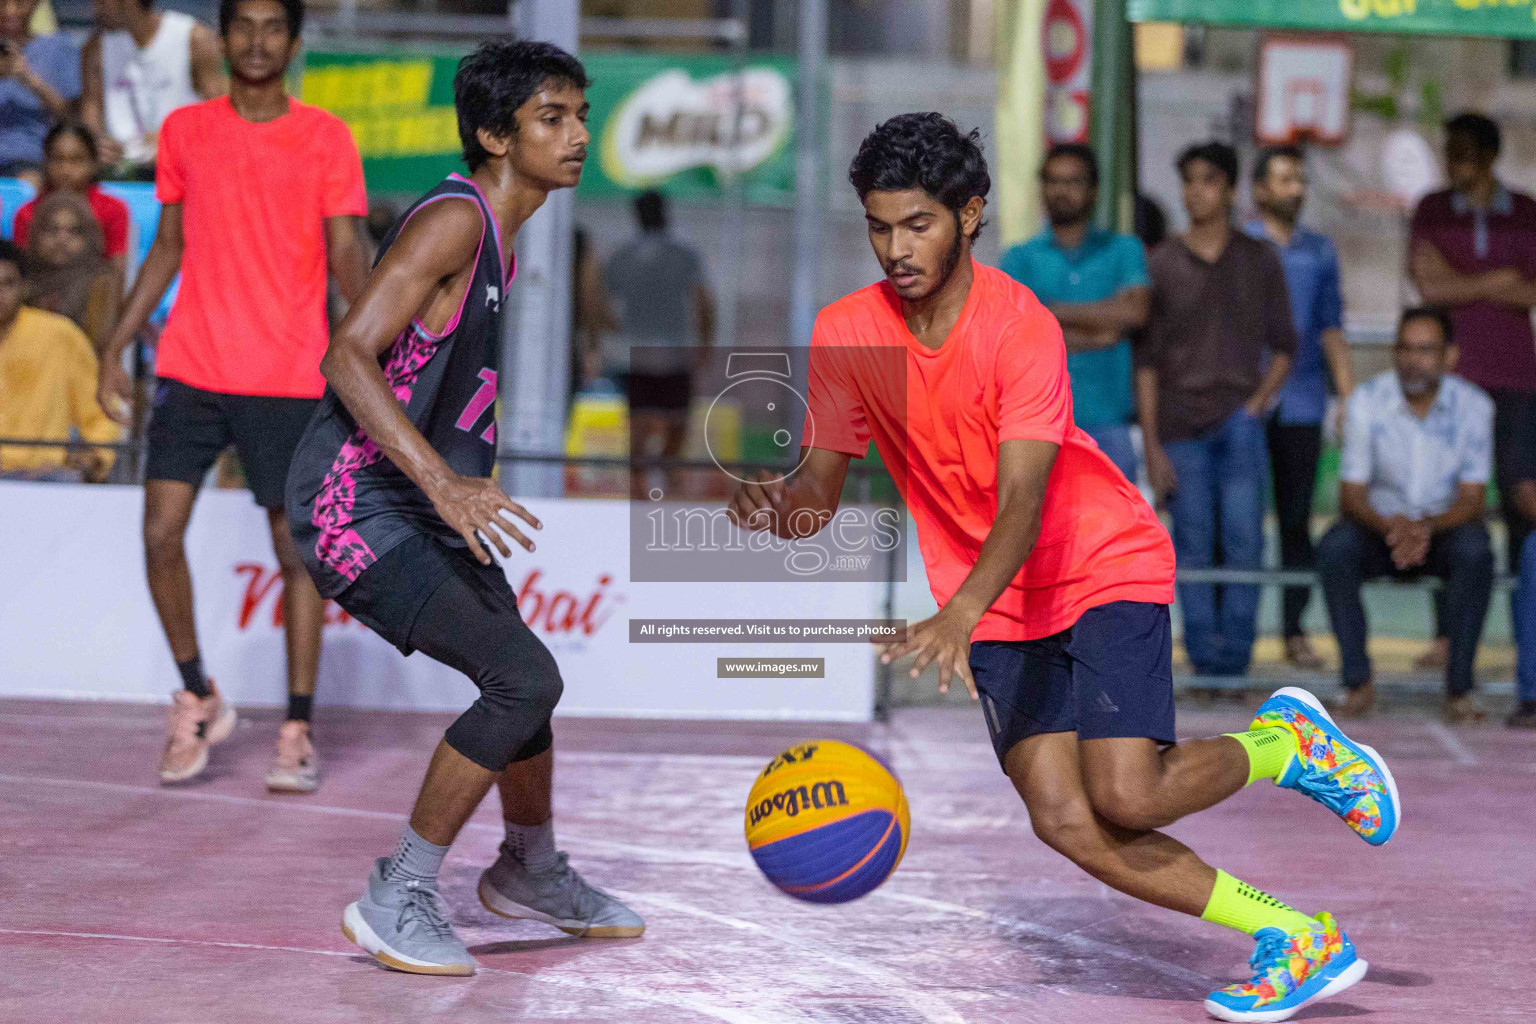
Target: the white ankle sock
(533, 845)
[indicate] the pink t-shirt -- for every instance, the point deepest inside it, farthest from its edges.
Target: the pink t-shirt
(250, 316)
(1001, 375)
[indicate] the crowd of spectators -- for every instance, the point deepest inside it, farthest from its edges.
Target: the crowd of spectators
(1237, 341)
(69, 116)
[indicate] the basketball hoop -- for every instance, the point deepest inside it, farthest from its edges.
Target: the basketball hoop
(1303, 91)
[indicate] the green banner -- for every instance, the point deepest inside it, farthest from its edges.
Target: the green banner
(1514, 19)
(658, 121)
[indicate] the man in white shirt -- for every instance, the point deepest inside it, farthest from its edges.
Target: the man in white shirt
(138, 66)
(1418, 452)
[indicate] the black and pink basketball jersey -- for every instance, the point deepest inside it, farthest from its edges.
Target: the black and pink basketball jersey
(347, 503)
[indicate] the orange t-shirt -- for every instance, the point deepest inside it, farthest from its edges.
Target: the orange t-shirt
(250, 316)
(1001, 375)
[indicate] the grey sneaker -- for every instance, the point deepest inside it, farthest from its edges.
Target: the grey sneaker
(560, 897)
(405, 926)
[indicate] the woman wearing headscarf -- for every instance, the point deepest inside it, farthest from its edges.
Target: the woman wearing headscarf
(67, 269)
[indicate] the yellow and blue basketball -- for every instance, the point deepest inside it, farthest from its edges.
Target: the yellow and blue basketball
(827, 822)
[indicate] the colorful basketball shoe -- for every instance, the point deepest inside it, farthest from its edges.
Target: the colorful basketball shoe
(1290, 971)
(1348, 778)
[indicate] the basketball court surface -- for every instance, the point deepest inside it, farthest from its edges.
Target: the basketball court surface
(126, 901)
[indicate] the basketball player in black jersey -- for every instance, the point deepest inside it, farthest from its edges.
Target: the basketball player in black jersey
(392, 506)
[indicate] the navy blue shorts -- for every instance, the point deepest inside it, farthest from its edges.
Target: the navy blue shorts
(1110, 675)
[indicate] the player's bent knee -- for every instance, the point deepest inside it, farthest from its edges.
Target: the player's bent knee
(1070, 831)
(1125, 804)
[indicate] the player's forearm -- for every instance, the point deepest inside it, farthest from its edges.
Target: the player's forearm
(155, 276)
(809, 505)
(359, 382)
(1023, 474)
(1003, 553)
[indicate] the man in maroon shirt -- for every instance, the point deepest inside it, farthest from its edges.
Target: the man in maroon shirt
(1473, 252)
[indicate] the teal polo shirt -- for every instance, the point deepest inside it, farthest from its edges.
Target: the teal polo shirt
(1104, 265)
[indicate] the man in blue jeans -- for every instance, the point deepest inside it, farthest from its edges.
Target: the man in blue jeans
(1095, 283)
(1217, 350)
(1524, 715)
(1413, 480)
(1296, 428)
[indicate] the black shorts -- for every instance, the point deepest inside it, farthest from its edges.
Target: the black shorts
(190, 427)
(424, 595)
(1110, 675)
(390, 593)
(666, 392)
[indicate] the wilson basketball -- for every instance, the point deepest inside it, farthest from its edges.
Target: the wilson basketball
(827, 822)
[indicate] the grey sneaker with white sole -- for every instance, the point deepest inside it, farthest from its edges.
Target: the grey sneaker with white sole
(560, 897)
(404, 925)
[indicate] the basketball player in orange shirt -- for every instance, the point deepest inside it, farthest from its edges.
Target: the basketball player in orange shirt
(1052, 574)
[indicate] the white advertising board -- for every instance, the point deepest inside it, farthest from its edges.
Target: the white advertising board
(76, 619)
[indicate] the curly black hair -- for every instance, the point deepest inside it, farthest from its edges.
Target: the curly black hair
(927, 152)
(496, 79)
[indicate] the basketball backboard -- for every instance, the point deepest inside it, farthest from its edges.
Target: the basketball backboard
(1303, 90)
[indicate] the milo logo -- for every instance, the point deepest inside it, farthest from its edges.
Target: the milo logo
(794, 755)
(797, 798)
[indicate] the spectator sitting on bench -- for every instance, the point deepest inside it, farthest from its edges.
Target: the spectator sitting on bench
(1418, 452)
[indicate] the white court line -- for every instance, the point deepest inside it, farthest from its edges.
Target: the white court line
(1458, 750)
(179, 942)
(654, 855)
(931, 1005)
(1082, 943)
(725, 1013)
(157, 724)
(648, 853)
(94, 722)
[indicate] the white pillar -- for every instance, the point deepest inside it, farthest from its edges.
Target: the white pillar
(535, 360)
(810, 145)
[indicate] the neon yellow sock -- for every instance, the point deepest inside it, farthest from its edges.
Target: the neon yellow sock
(1269, 751)
(1236, 904)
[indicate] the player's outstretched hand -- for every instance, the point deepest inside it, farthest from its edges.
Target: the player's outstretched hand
(945, 638)
(759, 502)
(476, 507)
(114, 392)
